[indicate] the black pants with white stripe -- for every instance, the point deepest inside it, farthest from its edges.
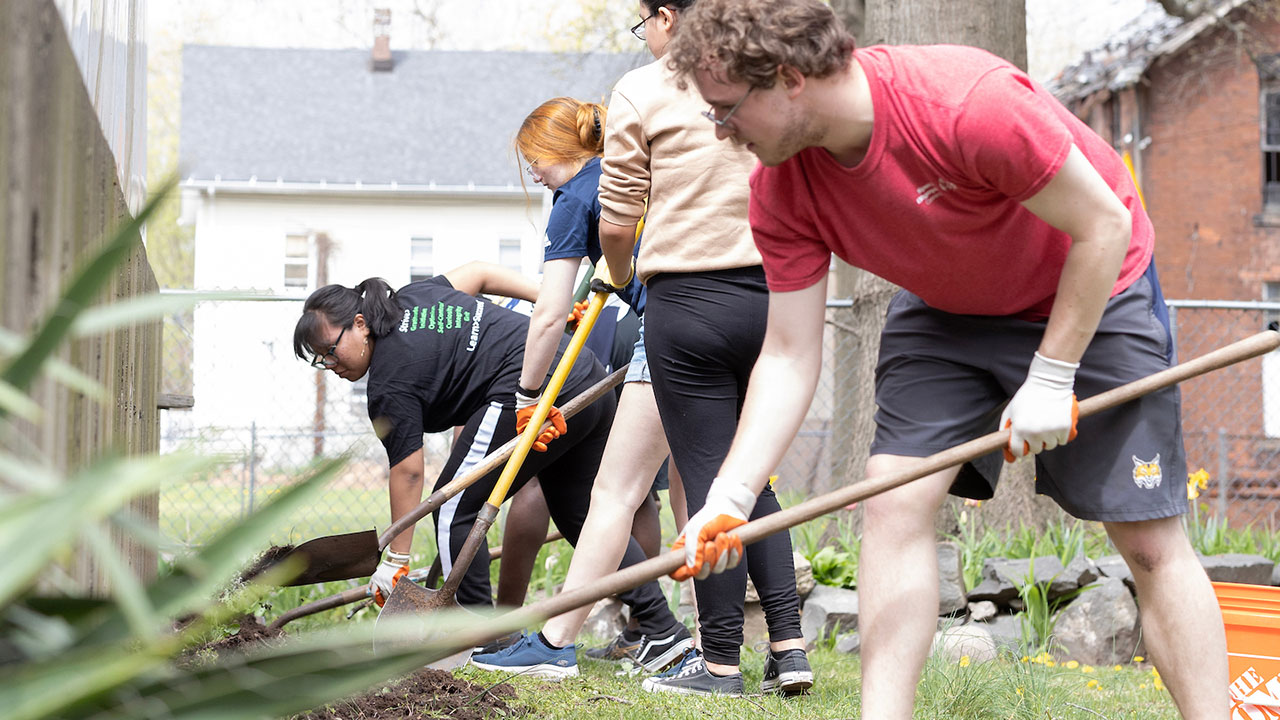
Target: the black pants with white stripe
(703, 332)
(566, 472)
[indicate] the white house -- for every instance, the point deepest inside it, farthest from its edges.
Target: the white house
(303, 167)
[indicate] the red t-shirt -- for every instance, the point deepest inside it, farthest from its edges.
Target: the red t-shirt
(960, 138)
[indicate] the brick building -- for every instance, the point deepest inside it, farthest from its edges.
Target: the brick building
(1196, 105)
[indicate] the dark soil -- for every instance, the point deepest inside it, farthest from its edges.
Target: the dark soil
(266, 560)
(252, 632)
(425, 694)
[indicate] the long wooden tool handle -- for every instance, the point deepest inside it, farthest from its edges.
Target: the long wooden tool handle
(492, 461)
(665, 563)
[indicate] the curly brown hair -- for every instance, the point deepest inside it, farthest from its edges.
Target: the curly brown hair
(748, 40)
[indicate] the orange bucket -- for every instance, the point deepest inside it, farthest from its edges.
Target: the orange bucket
(1251, 614)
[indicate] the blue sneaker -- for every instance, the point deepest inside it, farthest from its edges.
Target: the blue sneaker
(530, 656)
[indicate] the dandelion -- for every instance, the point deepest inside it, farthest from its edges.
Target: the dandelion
(1094, 684)
(964, 661)
(1050, 663)
(1019, 691)
(1086, 669)
(1026, 659)
(1138, 658)
(1071, 665)
(1118, 668)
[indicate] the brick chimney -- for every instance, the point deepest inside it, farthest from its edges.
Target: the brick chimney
(380, 59)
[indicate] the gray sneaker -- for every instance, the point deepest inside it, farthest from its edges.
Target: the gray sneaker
(659, 652)
(787, 672)
(691, 677)
(619, 649)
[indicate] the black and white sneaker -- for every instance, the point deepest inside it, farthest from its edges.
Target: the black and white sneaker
(659, 652)
(787, 672)
(620, 649)
(690, 677)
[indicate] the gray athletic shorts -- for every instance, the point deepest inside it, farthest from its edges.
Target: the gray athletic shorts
(943, 379)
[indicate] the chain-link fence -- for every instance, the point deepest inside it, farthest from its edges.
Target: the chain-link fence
(268, 416)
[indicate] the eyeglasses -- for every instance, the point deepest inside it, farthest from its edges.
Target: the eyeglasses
(329, 359)
(721, 122)
(528, 169)
(638, 28)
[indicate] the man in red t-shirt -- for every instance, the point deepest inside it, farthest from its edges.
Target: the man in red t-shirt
(1025, 260)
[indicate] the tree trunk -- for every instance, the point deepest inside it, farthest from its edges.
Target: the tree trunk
(998, 26)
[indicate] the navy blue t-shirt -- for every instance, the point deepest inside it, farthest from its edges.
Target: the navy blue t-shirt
(451, 355)
(573, 230)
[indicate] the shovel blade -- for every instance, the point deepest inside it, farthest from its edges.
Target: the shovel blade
(336, 557)
(411, 600)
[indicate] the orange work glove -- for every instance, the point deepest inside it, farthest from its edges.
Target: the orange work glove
(525, 406)
(579, 308)
(389, 572)
(708, 541)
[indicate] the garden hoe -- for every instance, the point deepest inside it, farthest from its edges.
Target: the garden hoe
(411, 599)
(356, 555)
(667, 562)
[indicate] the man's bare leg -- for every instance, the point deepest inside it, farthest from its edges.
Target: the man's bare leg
(898, 587)
(1181, 620)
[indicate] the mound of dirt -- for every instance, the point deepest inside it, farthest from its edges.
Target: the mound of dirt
(252, 632)
(425, 694)
(267, 559)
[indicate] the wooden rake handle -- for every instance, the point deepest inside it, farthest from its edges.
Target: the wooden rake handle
(666, 563)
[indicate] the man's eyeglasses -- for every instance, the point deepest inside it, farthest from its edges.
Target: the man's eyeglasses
(638, 28)
(528, 169)
(330, 358)
(720, 122)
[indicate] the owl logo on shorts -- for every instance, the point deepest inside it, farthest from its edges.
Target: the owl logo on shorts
(1146, 473)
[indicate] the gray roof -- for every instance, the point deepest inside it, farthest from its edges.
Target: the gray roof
(304, 115)
(1127, 55)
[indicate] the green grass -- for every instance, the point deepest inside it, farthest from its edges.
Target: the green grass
(1004, 689)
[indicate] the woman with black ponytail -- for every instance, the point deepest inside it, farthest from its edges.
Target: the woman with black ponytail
(436, 356)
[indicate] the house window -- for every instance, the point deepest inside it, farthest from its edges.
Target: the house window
(421, 266)
(509, 253)
(297, 261)
(1269, 84)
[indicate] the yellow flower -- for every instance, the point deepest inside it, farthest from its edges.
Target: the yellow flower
(1050, 663)
(1026, 659)
(1094, 684)
(1197, 481)
(1138, 658)
(1019, 691)
(964, 661)
(970, 502)
(1118, 668)
(1086, 669)
(1158, 684)
(1071, 665)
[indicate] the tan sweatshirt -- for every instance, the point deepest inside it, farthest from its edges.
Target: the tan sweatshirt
(658, 145)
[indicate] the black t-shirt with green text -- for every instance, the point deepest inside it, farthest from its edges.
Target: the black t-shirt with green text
(451, 355)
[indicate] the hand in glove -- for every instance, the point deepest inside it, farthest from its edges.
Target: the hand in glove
(1042, 414)
(603, 280)
(525, 405)
(709, 545)
(389, 572)
(579, 308)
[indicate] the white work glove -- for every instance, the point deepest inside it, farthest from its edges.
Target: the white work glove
(713, 547)
(1042, 414)
(393, 567)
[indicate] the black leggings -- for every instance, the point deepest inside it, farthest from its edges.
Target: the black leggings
(566, 472)
(703, 334)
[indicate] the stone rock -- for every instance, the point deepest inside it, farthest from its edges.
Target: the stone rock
(972, 640)
(1006, 631)
(849, 643)
(1239, 568)
(1115, 566)
(804, 579)
(827, 610)
(606, 619)
(951, 590)
(1082, 571)
(982, 610)
(1100, 627)
(1001, 578)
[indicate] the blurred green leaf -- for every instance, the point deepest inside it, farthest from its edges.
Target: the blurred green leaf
(12, 344)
